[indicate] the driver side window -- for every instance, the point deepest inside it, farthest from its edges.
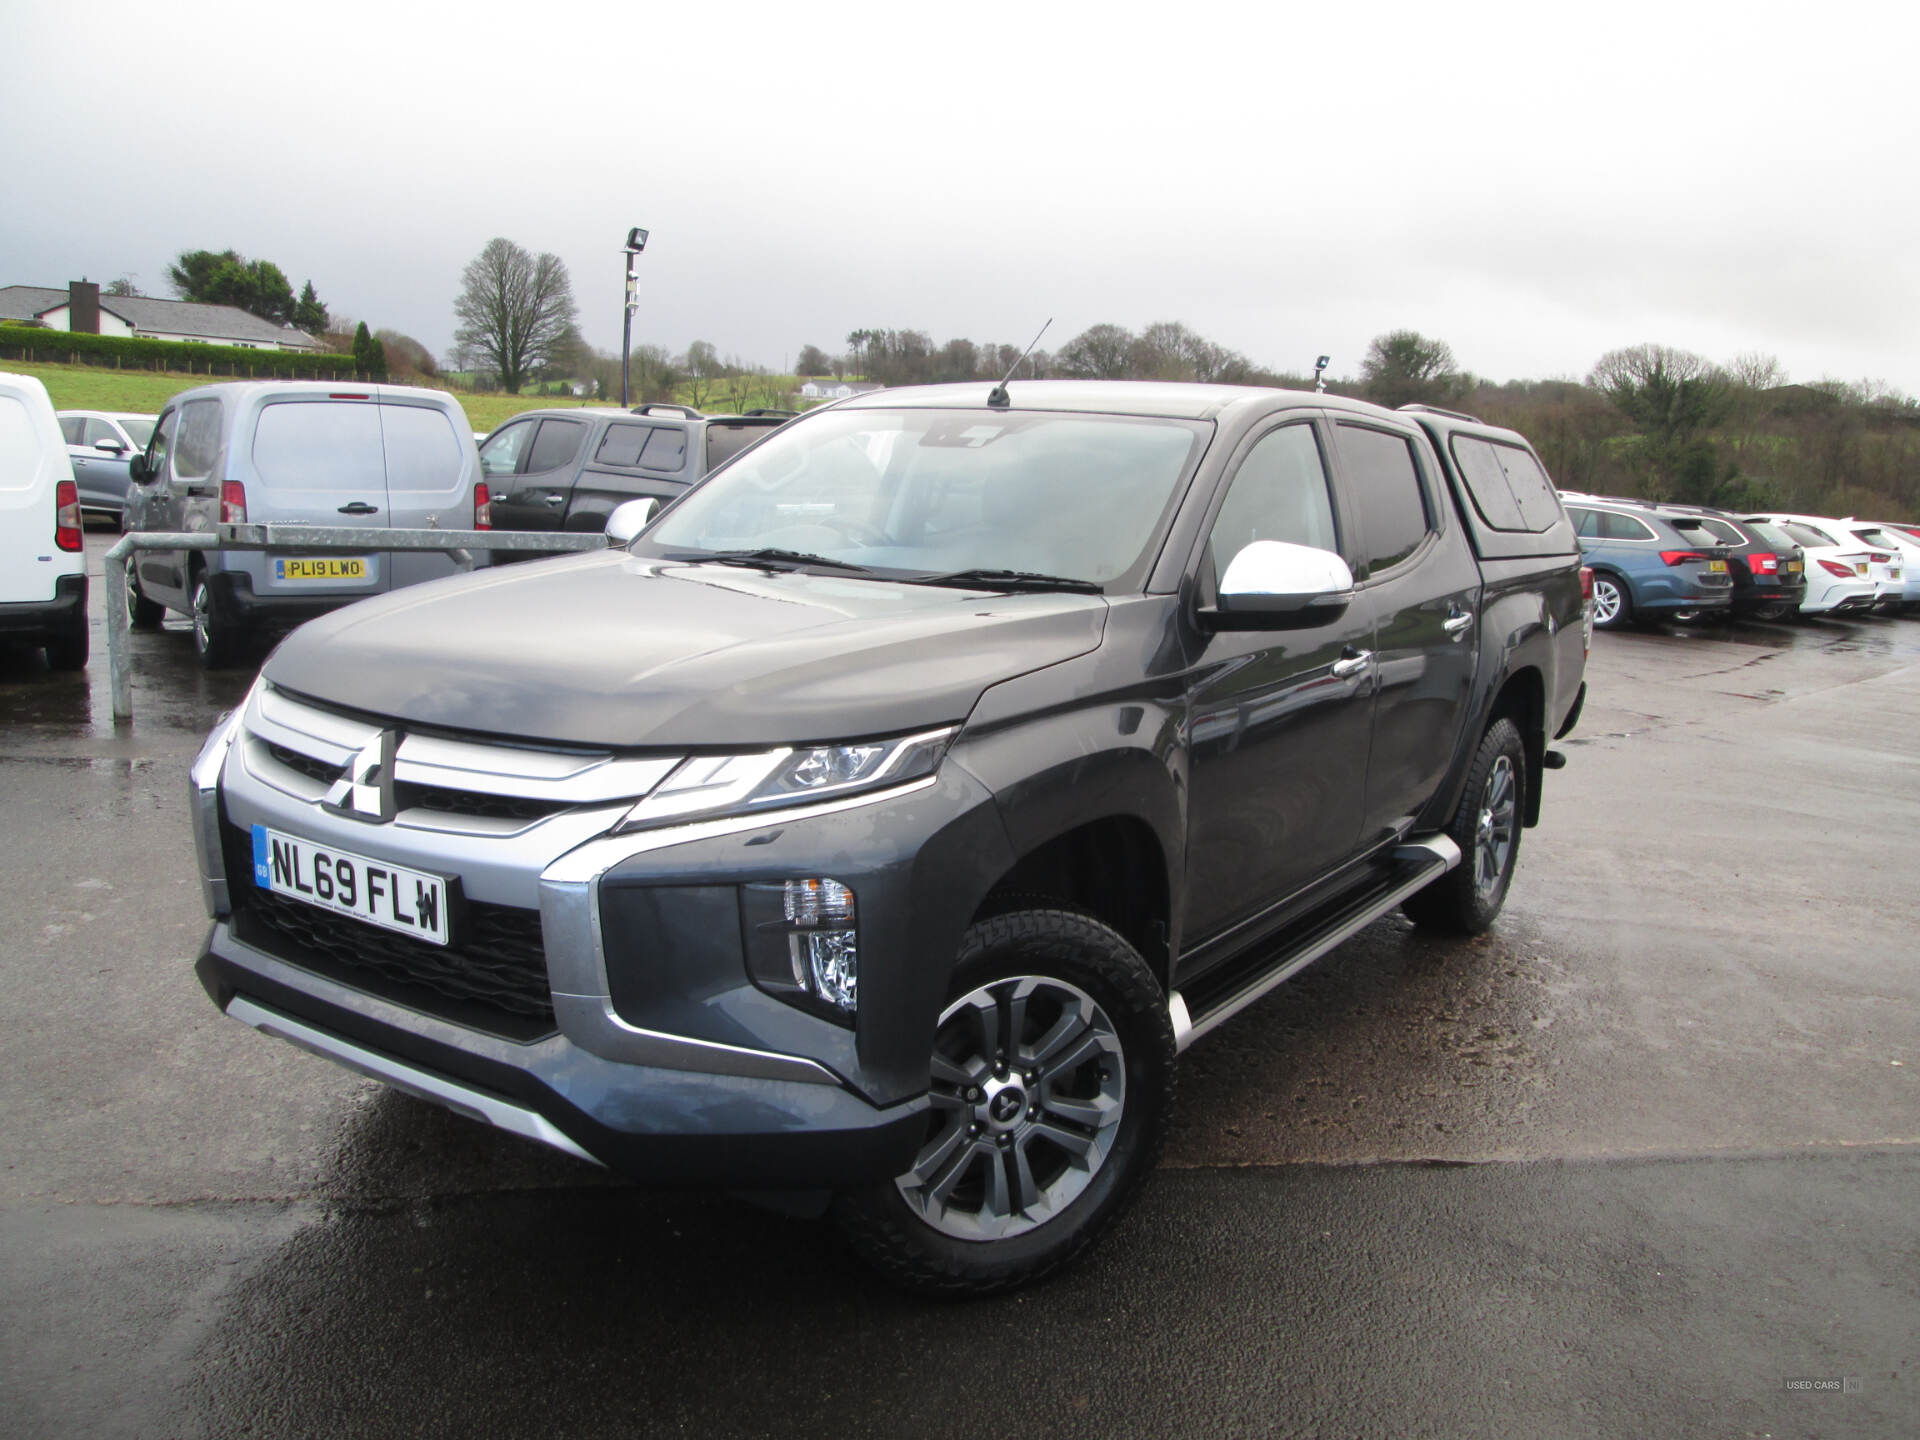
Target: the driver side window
(1279, 493)
(161, 446)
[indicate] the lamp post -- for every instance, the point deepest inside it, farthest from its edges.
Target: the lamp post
(636, 242)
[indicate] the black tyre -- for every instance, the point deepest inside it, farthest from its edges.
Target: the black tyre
(1487, 829)
(69, 650)
(1774, 610)
(1052, 1083)
(142, 613)
(216, 639)
(1612, 605)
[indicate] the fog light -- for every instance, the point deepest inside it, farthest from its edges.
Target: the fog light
(803, 944)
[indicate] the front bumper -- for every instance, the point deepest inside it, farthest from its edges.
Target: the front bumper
(660, 1054)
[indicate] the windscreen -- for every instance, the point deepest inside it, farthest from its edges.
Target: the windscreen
(927, 492)
(1807, 535)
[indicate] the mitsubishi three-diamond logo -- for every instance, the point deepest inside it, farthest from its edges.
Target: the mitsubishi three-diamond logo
(365, 792)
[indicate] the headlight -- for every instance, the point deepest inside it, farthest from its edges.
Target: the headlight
(733, 784)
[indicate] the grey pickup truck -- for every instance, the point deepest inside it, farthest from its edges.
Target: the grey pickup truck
(875, 827)
(567, 469)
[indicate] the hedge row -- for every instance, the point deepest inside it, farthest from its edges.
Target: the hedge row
(130, 352)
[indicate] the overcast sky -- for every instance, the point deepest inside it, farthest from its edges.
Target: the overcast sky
(1533, 184)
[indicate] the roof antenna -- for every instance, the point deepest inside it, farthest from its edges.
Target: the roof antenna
(1320, 375)
(998, 396)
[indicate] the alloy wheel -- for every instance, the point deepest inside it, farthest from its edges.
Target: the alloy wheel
(1029, 1084)
(1493, 830)
(1606, 601)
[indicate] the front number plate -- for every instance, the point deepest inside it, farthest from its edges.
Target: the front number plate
(321, 567)
(377, 891)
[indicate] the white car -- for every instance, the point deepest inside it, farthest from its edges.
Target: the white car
(1841, 575)
(1903, 545)
(43, 561)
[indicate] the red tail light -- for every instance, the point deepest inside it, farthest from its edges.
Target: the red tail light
(482, 506)
(1681, 557)
(1761, 563)
(66, 517)
(1586, 582)
(1879, 559)
(1834, 567)
(233, 503)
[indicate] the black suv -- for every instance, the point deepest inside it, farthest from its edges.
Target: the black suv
(567, 469)
(882, 821)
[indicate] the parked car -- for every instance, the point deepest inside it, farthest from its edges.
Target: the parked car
(1842, 576)
(292, 452)
(881, 822)
(1644, 568)
(101, 444)
(43, 562)
(1903, 557)
(1768, 569)
(566, 469)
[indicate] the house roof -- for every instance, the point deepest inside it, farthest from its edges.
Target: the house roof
(149, 316)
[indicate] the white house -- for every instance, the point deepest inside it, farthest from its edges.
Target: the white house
(81, 308)
(828, 389)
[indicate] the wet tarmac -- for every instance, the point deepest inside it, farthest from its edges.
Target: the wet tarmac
(1622, 1167)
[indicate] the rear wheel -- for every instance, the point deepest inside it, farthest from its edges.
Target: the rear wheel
(69, 650)
(142, 613)
(1773, 610)
(1052, 1080)
(1612, 607)
(216, 639)
(1486, 827)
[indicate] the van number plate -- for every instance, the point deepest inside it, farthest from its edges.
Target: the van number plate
(324, 567)
(377, 891)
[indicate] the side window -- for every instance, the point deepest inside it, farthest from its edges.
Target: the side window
(423, 452)
(1621, 527)
(1532, 491)
(73, 429)
(1387, 494)
(556, 445)
(198, 446)
(622, 445)
(1487, 483)
(320, 445)
(161, 446)
(1279, 493)
(1585, 522)
(504, 448)
(666, 449)
(98, 430)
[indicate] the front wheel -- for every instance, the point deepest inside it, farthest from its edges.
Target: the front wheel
(1486, 827)
(1612, 607)
(1052, 1078)
(142, 613)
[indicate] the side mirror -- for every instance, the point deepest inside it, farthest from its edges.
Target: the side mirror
(1277, 585)
(137, 470)
(112, 447)
(629, 520)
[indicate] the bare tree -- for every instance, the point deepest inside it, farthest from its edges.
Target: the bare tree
(515, 310)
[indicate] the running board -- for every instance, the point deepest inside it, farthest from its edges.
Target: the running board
(421, 1084)
(1410, 867)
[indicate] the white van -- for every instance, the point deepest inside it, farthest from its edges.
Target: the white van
(43, 554)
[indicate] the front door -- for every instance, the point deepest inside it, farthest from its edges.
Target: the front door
(1279, 719)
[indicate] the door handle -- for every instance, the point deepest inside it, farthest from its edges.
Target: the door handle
(1458, 623)
(557, 499)
(359, 507)
(1351, 663)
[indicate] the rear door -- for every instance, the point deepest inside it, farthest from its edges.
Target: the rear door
(33, 460)
(534, 496)
(431, 466)
(315, 460)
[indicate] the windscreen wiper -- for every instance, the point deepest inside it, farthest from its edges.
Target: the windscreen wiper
(773, 559)
(1008, 580)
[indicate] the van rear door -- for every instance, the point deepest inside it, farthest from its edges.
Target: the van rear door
(317, 460)
(431, 465)
(33, 460)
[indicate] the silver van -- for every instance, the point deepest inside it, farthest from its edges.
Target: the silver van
(293, 453)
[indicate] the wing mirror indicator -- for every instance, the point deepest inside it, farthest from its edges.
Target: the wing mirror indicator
(1277, 585)
(630, 519)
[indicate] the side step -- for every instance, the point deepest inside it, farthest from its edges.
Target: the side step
(1410, 867)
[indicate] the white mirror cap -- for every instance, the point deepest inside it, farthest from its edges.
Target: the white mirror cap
(629, 520)
(1279, 567)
